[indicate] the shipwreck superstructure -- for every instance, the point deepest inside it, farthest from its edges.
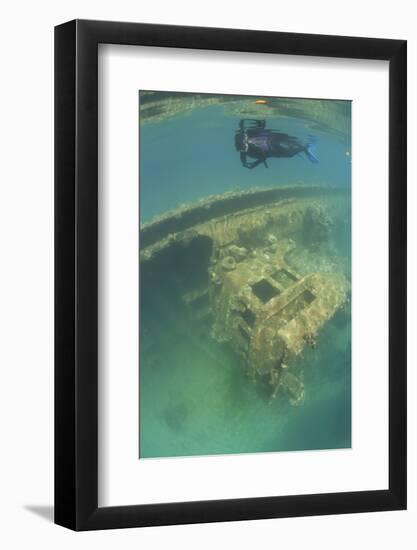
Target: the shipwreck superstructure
(247, 272)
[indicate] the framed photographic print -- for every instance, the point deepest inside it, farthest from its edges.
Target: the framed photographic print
(230, 275)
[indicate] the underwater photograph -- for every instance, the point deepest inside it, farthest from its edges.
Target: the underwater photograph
(244, 274)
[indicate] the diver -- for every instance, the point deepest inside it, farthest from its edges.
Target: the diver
(253, 140)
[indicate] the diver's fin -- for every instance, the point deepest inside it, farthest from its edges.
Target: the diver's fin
(310, 152)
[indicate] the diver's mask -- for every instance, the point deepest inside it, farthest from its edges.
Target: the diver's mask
(242, 142)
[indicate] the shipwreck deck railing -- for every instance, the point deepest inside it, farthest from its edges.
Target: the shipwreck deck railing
(221, 205)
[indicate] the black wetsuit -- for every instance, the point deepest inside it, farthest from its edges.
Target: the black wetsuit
(258, 143)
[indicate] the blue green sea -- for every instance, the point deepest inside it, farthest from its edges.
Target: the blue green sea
(195, 396)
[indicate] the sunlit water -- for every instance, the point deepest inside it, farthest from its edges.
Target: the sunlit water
(195, 398)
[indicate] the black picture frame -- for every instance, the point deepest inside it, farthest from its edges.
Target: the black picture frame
(76, 272)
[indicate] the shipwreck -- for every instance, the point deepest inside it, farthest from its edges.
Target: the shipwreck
(246, 270)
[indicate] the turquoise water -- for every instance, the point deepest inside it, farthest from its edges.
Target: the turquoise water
(195, 397)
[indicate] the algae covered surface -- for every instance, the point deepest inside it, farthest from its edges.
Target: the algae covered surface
(245, 325)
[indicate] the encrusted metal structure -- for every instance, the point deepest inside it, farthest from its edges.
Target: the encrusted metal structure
(243, 286)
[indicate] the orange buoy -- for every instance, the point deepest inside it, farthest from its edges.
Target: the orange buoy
(261, 102)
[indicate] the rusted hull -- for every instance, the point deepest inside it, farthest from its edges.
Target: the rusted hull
(249, 293)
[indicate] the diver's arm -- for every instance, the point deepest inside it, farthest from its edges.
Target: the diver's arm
(243, 159)
(252, 164)
(257, 162)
